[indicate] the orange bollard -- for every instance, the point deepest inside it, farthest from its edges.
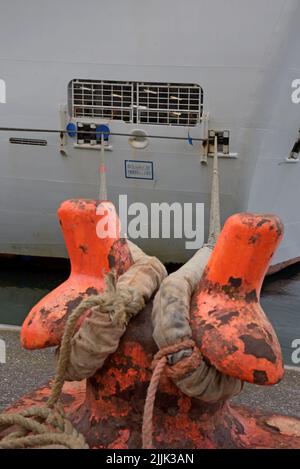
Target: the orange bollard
(91, 258)
(108, 407)
(234, 332)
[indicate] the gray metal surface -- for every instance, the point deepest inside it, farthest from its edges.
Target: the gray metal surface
(243, 54)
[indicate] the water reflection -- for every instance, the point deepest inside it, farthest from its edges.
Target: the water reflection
(24, 281)
(281, 302)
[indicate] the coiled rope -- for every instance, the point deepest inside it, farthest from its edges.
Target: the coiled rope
(48, 427)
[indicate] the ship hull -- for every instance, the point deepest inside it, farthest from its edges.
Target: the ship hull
(246, 80)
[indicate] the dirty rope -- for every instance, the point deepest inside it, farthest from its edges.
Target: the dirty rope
(172, 331)
(159, 364)
(81, 355)
(48, 427)
(100, 334)
(215, 219)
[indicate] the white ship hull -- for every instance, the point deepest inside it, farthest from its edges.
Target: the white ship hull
(244, 54)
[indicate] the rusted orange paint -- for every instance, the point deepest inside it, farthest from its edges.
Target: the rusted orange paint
(245, 248)
(229, 324)
(120, 379)
(136, 351)
(91, 258)
(111, 417)
(108, 408)
(122, 441)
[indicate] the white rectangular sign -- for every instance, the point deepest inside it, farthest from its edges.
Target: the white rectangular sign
(135, 169)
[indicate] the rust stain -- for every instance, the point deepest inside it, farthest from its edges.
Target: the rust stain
(89, 256)
(227, 320)
(227, 324)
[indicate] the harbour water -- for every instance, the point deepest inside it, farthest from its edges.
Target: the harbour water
(23, 281)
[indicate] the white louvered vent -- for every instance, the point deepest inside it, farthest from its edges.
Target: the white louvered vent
(136, 102)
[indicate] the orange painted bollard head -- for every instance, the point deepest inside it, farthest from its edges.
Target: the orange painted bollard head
(233, 331)
(108, 407)
(91, 231)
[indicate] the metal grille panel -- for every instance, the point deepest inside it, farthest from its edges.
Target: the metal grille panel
(136, 102)
(169, 104)
(102, 99)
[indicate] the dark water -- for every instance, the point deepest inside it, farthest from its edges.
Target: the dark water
(23, 281)
(280, 300)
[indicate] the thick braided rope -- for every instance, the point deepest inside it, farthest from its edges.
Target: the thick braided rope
(62, 433)
(176, 371)
(100, 334)
(121, 305)
(127, 303)
(49, 439)
(56, 430)
(121, 302)
(214, 221)
(65, 348)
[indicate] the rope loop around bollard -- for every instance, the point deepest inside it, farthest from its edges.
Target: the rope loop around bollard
(178, 370)
(49, 426)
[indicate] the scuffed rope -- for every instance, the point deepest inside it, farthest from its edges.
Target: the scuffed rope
(176, 371)
(215, 219)
(93, 301)
(48, 426)
(100, 334)
(102, 171)
(194, 378)
(56, 430)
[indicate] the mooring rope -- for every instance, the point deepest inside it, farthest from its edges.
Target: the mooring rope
(214, 216)
(176, 371)
(40, 426)
(56, 429)
(187, 365)
(49, 424)
(102, 171)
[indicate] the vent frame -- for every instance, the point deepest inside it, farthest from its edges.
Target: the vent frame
(28, 141)
(150, 103)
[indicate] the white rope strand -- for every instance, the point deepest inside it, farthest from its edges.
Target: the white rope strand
(214, 222)
(102, 170)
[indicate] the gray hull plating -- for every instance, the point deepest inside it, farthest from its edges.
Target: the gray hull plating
(244, 54)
